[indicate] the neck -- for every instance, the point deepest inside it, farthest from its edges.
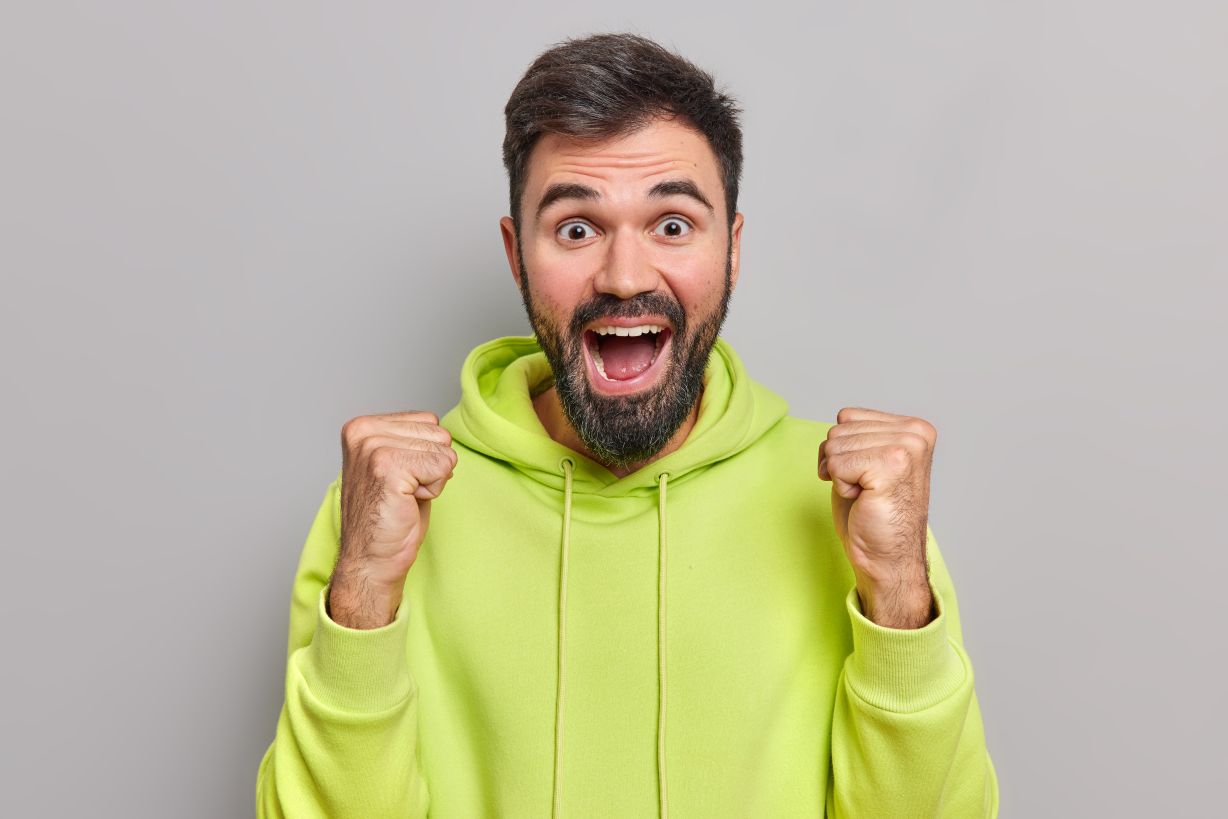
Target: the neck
(550, 411)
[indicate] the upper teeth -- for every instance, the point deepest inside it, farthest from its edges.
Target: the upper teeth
(628, 331)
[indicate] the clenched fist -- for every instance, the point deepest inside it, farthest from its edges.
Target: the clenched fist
(879, 465)
(392, 467)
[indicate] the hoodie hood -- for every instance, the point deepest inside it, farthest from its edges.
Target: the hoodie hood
(495, 416)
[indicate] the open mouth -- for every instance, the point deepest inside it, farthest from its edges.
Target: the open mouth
(625, 359)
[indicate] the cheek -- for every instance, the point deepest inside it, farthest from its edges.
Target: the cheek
(555, 293)
(561, 293)
(555, 275)
(698, 283)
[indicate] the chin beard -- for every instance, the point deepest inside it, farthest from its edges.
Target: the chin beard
(622, 430)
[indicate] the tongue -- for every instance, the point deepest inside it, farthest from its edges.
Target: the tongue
(625, 357)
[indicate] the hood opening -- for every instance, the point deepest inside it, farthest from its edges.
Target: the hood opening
(495, 417)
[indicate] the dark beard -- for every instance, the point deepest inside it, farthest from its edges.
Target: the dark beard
(627, 429)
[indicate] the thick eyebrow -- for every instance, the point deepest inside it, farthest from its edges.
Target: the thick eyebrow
(681, 187)
(574, 190)
(565, 190)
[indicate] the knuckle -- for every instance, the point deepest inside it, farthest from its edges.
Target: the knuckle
(899, 456)
(365, 447)
(425, 416)
(435, 435)
(382, 459)
(355, 429)
(429, 463)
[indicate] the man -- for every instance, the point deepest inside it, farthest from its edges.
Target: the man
(636, 597)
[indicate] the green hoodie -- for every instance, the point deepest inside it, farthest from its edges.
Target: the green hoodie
(684, 640)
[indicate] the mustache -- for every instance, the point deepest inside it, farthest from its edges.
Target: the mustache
(606, 305)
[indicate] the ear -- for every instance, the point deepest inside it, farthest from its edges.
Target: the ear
(508, 229)
(735, 248)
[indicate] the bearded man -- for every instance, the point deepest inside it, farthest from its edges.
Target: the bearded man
(639, 594)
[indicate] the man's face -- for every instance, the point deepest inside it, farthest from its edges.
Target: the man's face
(617, 235)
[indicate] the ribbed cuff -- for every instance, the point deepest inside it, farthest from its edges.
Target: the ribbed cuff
(902, 669)
(358, 669)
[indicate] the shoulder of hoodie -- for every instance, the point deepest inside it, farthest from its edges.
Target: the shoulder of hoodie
(792, 427)
(784, 461)
(794, 439)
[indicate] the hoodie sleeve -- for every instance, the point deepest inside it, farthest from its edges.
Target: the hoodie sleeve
(907, 736)
(347, 736)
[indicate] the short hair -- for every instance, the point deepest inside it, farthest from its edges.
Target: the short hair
(609, 85)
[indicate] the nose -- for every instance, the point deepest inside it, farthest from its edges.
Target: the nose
(627, 269)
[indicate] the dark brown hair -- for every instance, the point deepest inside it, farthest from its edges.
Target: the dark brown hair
(609, 85)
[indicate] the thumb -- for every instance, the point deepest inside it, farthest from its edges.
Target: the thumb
(840, 505)
(839, 488)
(844, 490)
(432, 488)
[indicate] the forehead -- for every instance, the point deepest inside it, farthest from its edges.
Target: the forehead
(625, 166)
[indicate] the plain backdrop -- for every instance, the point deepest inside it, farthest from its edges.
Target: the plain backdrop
(227, 228)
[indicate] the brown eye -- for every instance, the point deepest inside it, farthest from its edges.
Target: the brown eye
(673, 227)
(576, 231)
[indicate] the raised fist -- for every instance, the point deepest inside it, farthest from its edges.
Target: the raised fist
(392, 467)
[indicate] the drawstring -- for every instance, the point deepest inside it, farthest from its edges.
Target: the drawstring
(566, 464)
(558, 700)
(661, 480)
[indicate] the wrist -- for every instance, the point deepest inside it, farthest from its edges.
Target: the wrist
(357, 600)
(896, 600)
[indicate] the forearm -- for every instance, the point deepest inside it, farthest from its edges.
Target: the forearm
(897, 597)
(357, 602)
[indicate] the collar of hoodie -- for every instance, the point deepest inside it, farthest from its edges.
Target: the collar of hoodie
(495, 417)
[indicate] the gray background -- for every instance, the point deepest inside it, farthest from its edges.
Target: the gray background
(229, 227)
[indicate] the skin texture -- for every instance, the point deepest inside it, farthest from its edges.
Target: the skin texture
(392, 467)
(879, 466)
(625, 251)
